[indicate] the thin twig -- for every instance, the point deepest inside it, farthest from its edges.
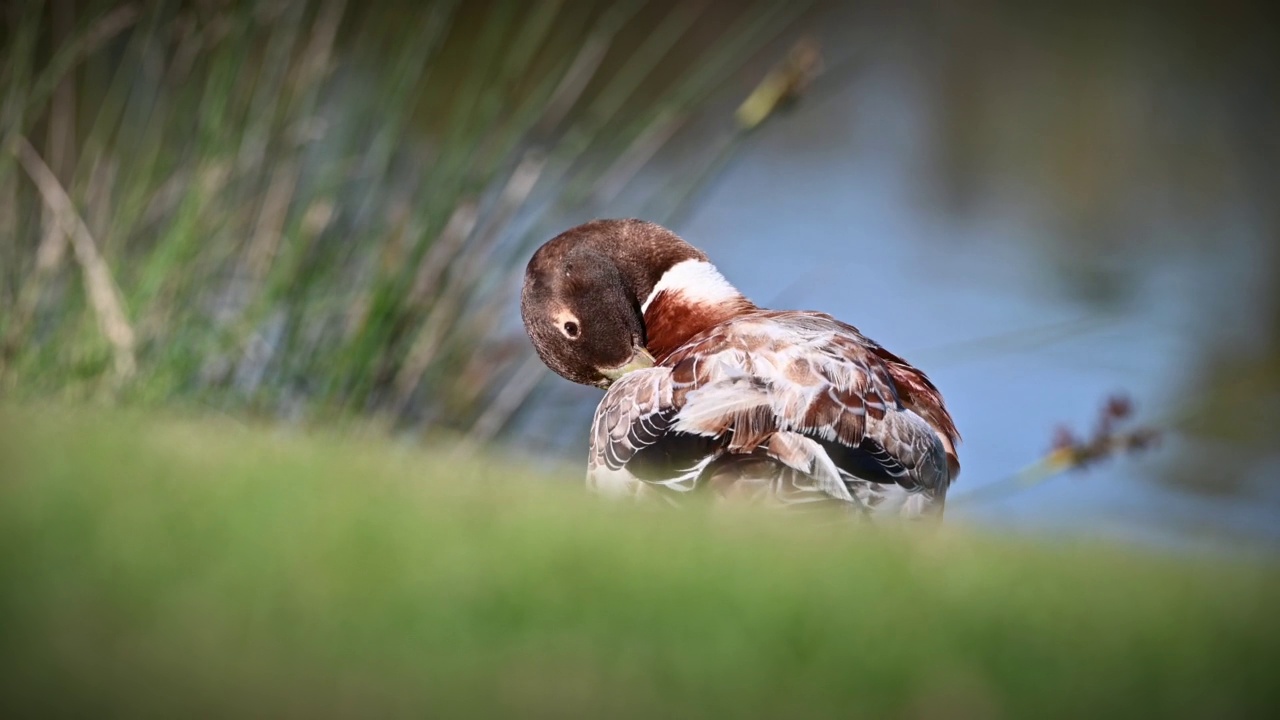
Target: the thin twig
(1070, 452)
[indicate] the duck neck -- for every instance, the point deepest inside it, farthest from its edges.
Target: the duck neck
(691, 296)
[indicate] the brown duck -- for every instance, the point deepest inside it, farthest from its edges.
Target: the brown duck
(707, 391)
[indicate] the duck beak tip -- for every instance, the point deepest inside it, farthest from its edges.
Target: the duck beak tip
(640, 360)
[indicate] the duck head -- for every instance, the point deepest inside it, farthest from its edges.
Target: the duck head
(588, 291)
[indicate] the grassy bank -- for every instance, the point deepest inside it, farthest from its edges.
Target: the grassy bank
(163, 566)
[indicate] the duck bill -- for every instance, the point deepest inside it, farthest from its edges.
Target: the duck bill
(640, 360)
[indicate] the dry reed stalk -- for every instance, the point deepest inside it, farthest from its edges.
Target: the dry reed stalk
(61, 153)
(638, 154)
(104, 29)
(508, 400)
(281, 194)
(269, 228)
(442, 252)
(422, 349)
(584, 67)
(104, 295)
(450, 302)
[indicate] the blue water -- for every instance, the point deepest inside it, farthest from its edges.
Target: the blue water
(833, 207)
(845, 225)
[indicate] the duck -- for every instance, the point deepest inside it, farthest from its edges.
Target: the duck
(706, 392)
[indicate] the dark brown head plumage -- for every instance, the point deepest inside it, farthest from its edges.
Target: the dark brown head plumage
(583, 290)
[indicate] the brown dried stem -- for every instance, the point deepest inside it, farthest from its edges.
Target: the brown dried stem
(104, 295)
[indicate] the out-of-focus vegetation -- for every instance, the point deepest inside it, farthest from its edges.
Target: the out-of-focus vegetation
(164, 566)
(312, 207)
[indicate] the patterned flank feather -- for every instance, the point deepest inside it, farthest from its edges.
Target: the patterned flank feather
(790, 406)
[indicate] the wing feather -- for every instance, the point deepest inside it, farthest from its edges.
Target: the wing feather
(866, 411)
(795, 406)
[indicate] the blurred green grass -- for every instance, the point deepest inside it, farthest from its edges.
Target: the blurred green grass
(160, 565)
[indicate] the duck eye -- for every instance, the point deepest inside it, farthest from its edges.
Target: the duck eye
(571, 329)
